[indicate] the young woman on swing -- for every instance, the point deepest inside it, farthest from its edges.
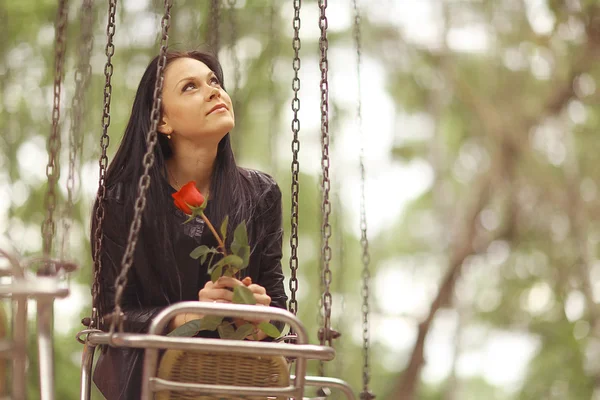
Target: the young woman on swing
(193, 146)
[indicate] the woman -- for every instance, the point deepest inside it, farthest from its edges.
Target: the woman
(193, 145)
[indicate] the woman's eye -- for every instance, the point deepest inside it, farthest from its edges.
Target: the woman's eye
(189, 85)
(214, 80)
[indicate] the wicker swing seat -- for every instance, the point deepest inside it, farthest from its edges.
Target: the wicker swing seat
(221, 369)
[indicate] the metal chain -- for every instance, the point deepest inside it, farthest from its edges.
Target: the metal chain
(148, 161)
(321, 314)
(326, 337)
(233, 25)
(340, 250)
(103, 162)
(273, 121)
(82, 80)
(233, 40)
(293, 303)
(364, 240)
(53, 166)
(215, 11)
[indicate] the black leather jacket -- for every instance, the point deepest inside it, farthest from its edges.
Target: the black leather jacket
(118, 371)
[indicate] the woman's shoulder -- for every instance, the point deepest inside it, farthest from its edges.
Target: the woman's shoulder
(115, 193)
(263, 189)
(260, 181)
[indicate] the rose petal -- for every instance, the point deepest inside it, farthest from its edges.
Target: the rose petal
(179, 203)
(191, 195)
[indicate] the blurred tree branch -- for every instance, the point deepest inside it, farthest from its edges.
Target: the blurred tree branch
(508, 133)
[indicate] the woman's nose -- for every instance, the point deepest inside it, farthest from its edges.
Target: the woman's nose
(214, 92)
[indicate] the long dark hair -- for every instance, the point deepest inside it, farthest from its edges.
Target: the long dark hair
(227, 183)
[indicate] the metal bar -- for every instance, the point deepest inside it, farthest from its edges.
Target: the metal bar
(332, 383)
(45, 348)
(159, 324)
(36, 288)
(87, 359)
(148, 341)
(6, 348)
(158, 384)
(15, 267)
(20, 348)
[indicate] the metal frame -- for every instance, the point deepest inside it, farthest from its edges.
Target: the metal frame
(43, 289)
(153, 341)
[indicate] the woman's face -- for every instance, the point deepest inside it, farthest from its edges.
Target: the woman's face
(194, 104)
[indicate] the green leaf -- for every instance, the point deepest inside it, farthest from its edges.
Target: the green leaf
(243, 295)
(240, 245)
(242, 251)
(243, 331)
(224, 227)
(216, 273)
(210, 322)
(269, 329)
(240, 239)
(188, 329)
(241, 235)
(231, 260)
(212, 256)
(200, 251)
(226, 331)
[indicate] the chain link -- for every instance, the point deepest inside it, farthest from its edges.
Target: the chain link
(82, 80)
(293, 303)
(326, 337)
(53, 166)
(364, 241)
(103, 162)
(215, 16)
(144, 182)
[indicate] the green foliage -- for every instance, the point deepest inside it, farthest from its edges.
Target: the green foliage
(270, 329)
(243, 295)
(484, 106)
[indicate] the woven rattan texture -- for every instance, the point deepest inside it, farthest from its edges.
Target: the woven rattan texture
(221, 369)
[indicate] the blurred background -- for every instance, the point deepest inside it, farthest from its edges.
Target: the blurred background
(481, 186)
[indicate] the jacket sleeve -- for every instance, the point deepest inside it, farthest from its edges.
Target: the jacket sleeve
(270, 272)
(115, 231)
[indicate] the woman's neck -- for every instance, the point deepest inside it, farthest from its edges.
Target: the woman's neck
(192, 164)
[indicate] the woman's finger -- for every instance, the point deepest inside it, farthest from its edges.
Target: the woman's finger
(254, 288)
(227, 282)
(215, 294)
(262, 299)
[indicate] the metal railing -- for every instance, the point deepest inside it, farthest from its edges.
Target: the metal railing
(19, 285)
(153, 341)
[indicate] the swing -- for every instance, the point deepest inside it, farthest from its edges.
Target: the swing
(41, 279)
(185, 357)
(192, 365)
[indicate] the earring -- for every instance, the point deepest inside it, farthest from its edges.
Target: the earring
(169, 136)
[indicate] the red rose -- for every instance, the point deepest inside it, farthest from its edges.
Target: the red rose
(188, 196)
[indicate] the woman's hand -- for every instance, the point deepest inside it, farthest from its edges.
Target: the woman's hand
(222, 291)
(181, 319)
(259, 292)
(218, 292)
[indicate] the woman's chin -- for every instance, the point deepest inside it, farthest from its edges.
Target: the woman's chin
(218, 132)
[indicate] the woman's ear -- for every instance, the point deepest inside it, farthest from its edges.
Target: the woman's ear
(164, 127)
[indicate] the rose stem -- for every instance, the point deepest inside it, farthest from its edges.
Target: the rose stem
(215, 234)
